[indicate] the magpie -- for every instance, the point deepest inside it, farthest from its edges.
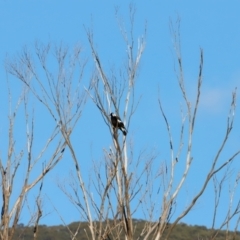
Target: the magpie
(117, 123)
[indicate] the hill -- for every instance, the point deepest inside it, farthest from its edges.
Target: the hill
(181, 232)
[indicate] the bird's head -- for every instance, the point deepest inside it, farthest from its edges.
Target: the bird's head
(112, 115)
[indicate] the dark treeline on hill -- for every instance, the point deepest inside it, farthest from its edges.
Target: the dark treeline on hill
(181, 232)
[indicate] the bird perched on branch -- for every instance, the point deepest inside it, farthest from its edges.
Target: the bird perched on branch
(117, 123)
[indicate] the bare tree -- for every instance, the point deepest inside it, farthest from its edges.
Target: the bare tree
(115, 185)
(171, 194)
(19, 159)
(62, 98)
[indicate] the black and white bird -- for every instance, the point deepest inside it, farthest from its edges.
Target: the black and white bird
(117, 123)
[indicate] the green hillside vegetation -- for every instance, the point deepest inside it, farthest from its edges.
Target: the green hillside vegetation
(181, 232)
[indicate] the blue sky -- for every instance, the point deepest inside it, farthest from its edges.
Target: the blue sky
(211, 25)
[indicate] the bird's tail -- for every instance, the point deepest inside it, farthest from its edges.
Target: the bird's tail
(124, 131)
